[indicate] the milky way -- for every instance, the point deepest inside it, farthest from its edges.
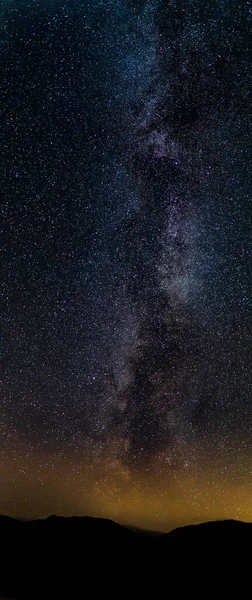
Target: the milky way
(126, 309)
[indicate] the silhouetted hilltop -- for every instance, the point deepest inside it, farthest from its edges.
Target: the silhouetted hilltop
(59, 557)
(211, 531)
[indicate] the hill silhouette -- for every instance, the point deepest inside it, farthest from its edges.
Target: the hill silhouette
(88, 557)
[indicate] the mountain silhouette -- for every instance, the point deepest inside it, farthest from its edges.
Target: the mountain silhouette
(86, 557)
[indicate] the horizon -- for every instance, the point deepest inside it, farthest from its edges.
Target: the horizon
(147, 525)
(128, 525)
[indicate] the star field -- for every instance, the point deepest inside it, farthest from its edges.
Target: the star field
(126, 260)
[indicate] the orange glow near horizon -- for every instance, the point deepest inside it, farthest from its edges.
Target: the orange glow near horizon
(110, 490)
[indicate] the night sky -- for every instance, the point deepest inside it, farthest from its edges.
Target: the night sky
(126, 260)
